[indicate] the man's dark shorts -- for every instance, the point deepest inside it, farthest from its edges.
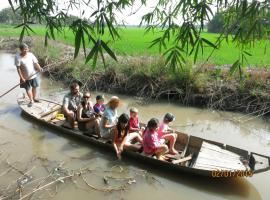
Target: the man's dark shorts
(30, 83)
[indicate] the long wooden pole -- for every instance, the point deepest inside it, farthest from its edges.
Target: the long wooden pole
(44, 69)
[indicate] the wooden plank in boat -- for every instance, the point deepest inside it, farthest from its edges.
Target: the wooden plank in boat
(219, 164)
(37, 108)
(218, 149)
(211, 168)
(214, 157)
(217, 155)
(182, 160)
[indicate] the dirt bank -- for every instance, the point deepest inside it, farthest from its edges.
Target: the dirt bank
(148, 78)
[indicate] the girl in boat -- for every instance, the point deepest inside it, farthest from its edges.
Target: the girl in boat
(165, 132)
(109, 117)
(87, 120)
(152, 144)
(122, 139)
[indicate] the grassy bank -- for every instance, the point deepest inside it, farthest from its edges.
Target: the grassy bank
(134, 42)
(147, 77)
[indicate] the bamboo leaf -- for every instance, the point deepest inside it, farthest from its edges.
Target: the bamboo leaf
(78, 38)
(196, 53)
(11, 5)
(19, 25)
(22, 34)
(102, 56)
(234, 67)
(209, 43)
(83, 43)
(92, 52)
(247, 53)
(47, 36)
(28, 27)
(108, 50)
(95, 59)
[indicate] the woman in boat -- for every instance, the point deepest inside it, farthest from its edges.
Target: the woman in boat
(87, 120)
(152, 144)
(122, 138)
(109, 118)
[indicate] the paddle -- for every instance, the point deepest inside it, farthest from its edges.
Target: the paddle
(45, 68)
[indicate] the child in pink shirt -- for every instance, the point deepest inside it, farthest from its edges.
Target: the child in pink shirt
(165, 132)
(152, 144)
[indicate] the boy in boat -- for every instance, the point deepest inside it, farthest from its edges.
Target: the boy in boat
(28, 67)
(71, 101)
(99, 107)
(166, 133)
(134, 125)
(152, 144)
(87, 118)
(122, 139)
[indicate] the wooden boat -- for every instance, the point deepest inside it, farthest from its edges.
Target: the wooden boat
(197, 156)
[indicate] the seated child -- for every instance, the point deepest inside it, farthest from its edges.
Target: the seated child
(165, 132)
(122, 138)
(152, 144)
(99, 107)
(134, 125)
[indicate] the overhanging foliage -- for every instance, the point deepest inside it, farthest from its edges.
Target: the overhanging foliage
(180, 22)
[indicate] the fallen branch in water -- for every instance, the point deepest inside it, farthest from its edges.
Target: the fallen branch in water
(49, 184)
(122, 187)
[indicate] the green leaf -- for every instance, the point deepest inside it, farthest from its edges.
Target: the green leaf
(78, 38)
(95, 59)
(28, 27)
(196, 53)
(22, 34)
(108, 50)
(234, 67)
(11, 5)
(52, 32)
(19, 25)
(102, 56)
(92, 52)
(47, 36)
(209, 43)
(247, 53)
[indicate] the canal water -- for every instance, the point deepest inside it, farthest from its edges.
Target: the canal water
(34, 159)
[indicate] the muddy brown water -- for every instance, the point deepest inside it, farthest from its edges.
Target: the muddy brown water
(45, 155)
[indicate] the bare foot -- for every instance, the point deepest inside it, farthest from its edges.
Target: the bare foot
(173, 151)
(161, 158)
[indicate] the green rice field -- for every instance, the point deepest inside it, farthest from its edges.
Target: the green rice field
(134, 42)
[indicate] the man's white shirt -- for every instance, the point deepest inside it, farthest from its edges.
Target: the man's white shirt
(26, 64)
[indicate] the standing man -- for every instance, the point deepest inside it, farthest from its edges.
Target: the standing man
(28, 67)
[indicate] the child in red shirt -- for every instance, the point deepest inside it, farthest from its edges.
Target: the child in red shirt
(134, 125)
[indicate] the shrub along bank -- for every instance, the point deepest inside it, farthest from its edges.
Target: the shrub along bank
(148, 77)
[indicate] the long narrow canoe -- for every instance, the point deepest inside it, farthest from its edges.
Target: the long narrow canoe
(196, 155)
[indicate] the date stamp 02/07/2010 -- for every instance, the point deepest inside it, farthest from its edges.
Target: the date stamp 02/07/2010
(231, 173)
